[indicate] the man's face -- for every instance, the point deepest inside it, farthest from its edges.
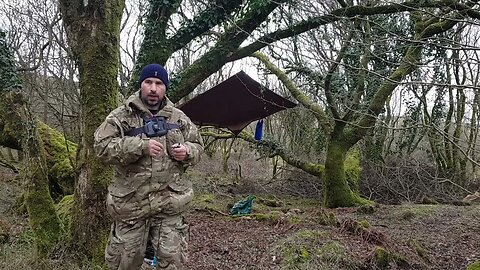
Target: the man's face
(152, 91)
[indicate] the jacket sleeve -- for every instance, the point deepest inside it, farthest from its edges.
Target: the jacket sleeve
(112, 147)
(193, 141)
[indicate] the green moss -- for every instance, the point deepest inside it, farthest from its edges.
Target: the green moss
(273, 216)
(474, 266)
(27, 237)
(310, 234)
(364, 223)
(366, 209)
(408, 212)
(11, 127)
(294, 220)
(311, 249)
(419, 249)
(43, 219)
(207, 198)
(332, 251)
(296, 249)
(270, 202)
(319, 168)
(64, 211)
(296, 254)
(327, 218)
(382, 257)
(352, 169)
(342, 173)
(60, 154)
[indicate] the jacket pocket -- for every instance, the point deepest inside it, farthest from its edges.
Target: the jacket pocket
(178, 201)
(180, 183)
(122, 205)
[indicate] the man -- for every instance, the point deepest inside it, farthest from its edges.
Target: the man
(151, 143)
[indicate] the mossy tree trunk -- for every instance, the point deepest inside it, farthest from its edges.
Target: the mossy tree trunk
(93, 35)
(18, 129)
(42, 216)
(337, 189)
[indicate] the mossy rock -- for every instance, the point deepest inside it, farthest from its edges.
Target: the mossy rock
(384, 258)
(60, 154)
(210, 202)
(312, 249)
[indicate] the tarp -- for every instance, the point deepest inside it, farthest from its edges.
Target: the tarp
(234, 103)
(243, 207)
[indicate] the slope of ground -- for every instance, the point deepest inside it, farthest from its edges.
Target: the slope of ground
(413, 237)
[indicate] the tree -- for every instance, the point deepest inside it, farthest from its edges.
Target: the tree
(21, 130)
(93, 31)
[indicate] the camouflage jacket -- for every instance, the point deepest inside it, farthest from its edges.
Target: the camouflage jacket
(143, 184)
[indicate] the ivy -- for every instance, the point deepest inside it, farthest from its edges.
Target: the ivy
(8, 75)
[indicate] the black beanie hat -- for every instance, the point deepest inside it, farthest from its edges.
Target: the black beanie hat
(154, 71)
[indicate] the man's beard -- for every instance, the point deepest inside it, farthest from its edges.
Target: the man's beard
(150, 103)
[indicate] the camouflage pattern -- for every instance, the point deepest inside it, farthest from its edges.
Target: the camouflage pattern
(127, 242)
(148, 194)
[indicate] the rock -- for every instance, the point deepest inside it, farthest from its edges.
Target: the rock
(472, 198)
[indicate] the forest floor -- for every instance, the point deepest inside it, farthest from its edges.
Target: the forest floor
(288, 232)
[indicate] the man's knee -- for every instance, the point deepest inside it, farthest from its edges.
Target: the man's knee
(125, 248)
(173, 245)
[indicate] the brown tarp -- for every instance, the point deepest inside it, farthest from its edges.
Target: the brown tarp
(234, 103)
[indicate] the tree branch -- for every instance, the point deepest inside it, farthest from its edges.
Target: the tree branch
(348, 12)
(273, 148)
(213, 60)
(213, 15)
(407, 66)
(318, 111)
(328, 78)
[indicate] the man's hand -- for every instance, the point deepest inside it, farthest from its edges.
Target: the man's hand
(155, 148)
(179, 152)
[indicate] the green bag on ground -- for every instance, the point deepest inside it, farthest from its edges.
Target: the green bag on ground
(243, 207)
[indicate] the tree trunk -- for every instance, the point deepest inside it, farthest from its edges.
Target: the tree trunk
(337, 191)
(42, 217)
(93, 29)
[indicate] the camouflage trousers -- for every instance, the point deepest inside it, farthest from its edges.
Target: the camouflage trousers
(127, 243)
